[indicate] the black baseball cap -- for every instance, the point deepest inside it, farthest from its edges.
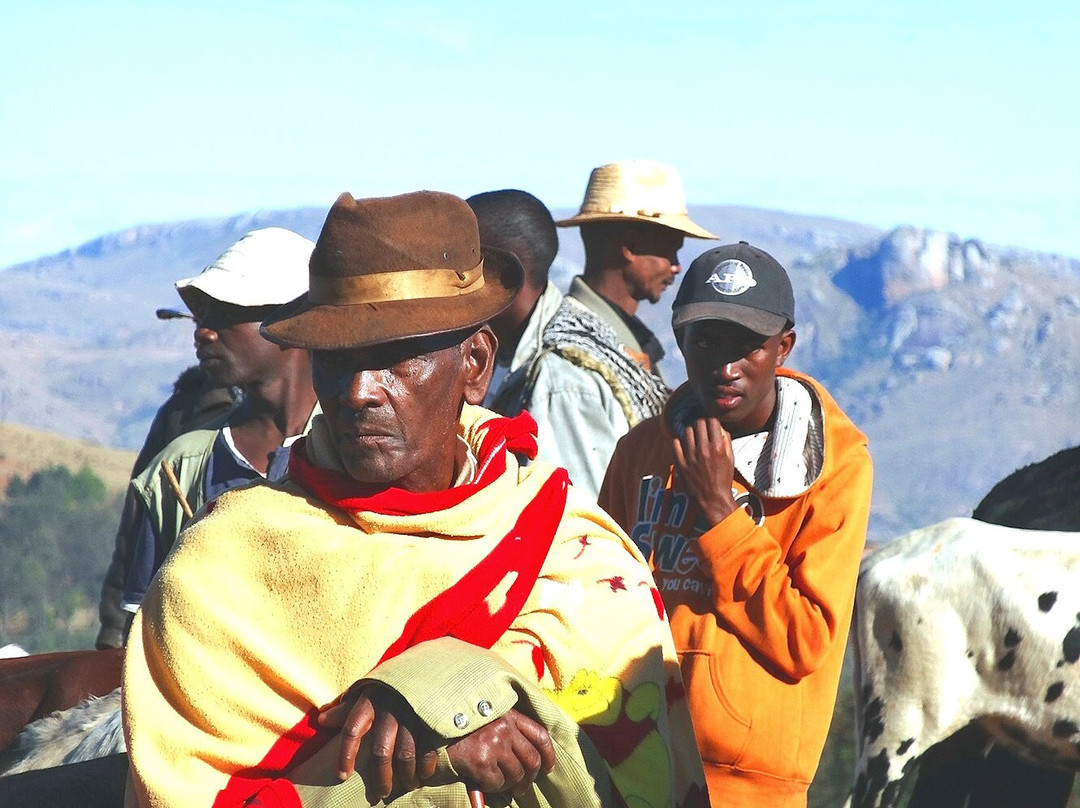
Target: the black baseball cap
(738, 283)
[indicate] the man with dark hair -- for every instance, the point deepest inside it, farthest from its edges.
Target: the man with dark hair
(518, 222)
(596, 374)
(413, 613)
(750, 494)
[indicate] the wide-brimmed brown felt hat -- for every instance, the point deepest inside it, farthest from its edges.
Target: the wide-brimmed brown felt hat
(393, 268)
(640, 191)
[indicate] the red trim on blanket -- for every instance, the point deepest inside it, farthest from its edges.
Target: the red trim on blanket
(260, 785)
(460, 611)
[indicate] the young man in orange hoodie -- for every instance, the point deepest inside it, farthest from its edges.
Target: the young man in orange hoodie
(750, 495)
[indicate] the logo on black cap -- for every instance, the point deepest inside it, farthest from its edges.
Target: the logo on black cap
(732, 277)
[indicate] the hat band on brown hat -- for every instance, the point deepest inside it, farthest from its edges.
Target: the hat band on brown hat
(409, 284)
(394, 268)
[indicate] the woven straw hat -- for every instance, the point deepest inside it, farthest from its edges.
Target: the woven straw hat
(393, 268)
(637, 190)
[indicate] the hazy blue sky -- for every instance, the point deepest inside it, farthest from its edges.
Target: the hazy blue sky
(949, 114)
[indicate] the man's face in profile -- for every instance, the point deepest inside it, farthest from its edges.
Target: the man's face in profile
(228, 344)
(652, 256)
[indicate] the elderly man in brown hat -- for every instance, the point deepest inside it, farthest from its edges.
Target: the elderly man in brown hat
(597, 372)
(414, 613)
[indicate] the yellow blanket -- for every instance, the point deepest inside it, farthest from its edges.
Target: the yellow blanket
(273, 605)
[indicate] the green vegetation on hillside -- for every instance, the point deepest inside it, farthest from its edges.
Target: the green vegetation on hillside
(24, 450)
(56, 538)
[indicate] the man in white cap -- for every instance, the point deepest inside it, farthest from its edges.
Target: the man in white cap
(263, 270)
(596, 374)
(194, 402)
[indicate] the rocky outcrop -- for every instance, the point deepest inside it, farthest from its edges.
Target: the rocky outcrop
(909, 261)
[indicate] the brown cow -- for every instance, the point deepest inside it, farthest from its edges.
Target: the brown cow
(33, 686)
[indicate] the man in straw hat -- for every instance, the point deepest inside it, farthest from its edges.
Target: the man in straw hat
(596, 374)
(228, 300)
(750, 494)
(413, 610)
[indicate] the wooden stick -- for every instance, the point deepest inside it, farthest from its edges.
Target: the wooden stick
(166, 467)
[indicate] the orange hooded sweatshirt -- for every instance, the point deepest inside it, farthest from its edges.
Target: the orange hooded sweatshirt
(759, 604)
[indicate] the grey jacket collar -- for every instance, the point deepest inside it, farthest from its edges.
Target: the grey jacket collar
(584, 294)
(532, 338)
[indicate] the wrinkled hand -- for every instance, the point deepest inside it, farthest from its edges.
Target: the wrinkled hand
(506, 755)
(706, 465)
(402, 753)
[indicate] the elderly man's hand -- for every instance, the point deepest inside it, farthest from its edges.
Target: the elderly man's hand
(506, 755)
(706, 465)
(402, 755)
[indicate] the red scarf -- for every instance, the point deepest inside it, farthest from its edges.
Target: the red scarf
(517, 434)
(459, 611)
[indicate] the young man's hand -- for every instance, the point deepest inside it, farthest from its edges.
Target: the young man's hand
(706, 465)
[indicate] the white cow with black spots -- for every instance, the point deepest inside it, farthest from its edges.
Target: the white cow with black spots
(962, 622)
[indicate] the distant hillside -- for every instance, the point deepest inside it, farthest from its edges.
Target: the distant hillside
(24, 451)
(956, 357)
(81, 352)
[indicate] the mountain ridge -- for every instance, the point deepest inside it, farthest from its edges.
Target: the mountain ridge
(931, 342)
